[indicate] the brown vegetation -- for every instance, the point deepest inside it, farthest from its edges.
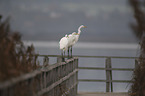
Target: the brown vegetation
(15, 59)
(138, 86)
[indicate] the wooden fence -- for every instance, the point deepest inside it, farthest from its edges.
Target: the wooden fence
(59, 79)
(108, 68)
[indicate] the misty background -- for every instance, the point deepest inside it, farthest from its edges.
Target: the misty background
(50, 20)
(108, 33)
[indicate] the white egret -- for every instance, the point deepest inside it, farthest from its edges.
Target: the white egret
(63, 44)
(73, 38)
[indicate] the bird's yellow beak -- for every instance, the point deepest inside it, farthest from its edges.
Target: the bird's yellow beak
(85, 26)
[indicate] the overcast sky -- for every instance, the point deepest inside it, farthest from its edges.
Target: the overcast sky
(49, 20)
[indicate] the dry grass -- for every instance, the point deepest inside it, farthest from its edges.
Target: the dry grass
(138, 86)
(15, 59)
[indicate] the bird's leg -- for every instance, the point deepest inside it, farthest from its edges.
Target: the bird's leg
(62, 55)
(71, 51)
(68, 53)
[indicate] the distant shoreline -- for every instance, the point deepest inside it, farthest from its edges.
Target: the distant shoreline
(85, 45)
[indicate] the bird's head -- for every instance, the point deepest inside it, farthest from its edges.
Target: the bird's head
(79, 29)
(82, 26)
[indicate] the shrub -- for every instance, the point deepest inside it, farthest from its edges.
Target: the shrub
(15, 59)
(138, 86)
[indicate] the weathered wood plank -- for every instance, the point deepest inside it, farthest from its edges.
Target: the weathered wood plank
(18, 79)
(107, 75)
(56, 83)
(101, 94)
(46, 81)
(99, 80)
(84, 56)
(45, 61)
(67, 92)
(59, 59)
(110, 72)
(30, 75)
(48, 68)
(101, 68)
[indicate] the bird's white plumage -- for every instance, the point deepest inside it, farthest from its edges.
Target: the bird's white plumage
(79, 29)
(63, 44)
(71, 39)
(79, 32)
(76, 38)
(68, 41)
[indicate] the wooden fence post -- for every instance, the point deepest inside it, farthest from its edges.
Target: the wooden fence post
(59, 59)
(76, 67)
(45, 61)
(108, 75)
(110, 71)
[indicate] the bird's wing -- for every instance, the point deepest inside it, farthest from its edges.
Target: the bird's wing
(63, 43)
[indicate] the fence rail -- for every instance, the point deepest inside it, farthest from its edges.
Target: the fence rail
(94, 80)
(86, 56)
(59, 79)
(101, 68)
(108, 68)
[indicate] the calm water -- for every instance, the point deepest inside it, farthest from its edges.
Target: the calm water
(95, 49)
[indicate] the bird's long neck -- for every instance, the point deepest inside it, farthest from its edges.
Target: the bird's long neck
(79, 30)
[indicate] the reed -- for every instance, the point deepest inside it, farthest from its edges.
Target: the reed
(15, 58)
(138, 86)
